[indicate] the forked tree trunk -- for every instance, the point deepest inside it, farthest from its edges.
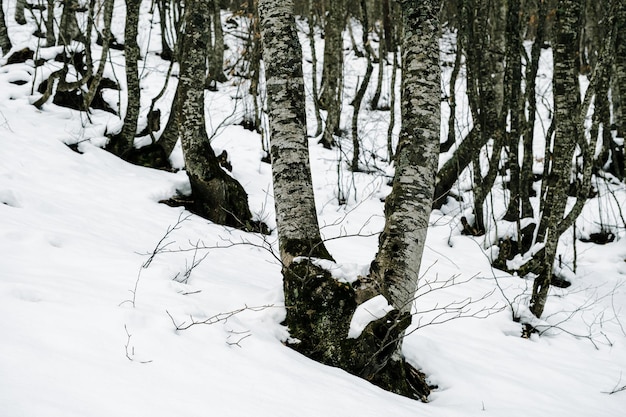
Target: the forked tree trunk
(319, 307)
(5, 42)
(217, 196)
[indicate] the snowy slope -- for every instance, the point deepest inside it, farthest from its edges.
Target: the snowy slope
(86, 330)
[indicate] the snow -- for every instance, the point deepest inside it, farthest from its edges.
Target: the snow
(88, 329)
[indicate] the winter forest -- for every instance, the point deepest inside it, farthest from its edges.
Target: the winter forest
(312, 207)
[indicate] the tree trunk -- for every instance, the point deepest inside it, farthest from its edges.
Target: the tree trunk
(5, 42)
(530, 96)
(217, 196)
(298, 229)
(374, 103)
(407, 208)
(566, 111)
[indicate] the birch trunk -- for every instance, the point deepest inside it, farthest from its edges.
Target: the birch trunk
(298, 229)
(407, 208)
(319, 307)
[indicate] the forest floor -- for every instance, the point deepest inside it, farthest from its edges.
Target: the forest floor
(96, 276)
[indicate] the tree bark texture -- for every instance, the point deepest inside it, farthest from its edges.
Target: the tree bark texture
(298, 229)
(566, 110)
(217, 196)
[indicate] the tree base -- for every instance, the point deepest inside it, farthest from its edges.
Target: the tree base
(319, 310)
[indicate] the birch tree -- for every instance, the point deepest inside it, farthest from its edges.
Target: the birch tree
(318, 306)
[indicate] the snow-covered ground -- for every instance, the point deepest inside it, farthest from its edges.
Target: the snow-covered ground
(88, 325)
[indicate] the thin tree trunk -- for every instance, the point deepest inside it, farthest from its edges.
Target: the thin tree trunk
(392, 106)
(487, 58)
(374, 103)
(620, 73)
(530, 96)
(513, 106)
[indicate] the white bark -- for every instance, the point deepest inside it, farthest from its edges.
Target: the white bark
(298, 228)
